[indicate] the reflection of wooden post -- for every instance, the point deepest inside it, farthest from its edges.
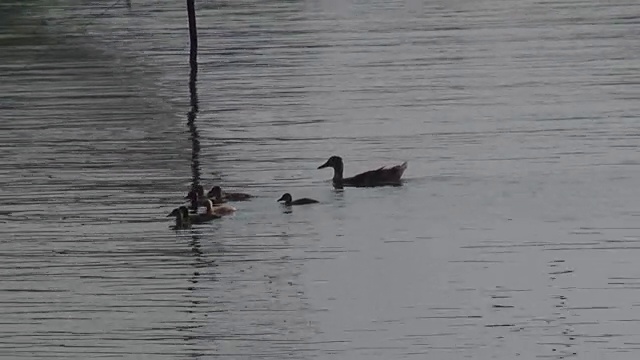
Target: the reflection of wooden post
(191, 116)
(129, 4)
(191, 119)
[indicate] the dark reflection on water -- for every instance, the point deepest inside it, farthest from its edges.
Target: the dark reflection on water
(515, 234)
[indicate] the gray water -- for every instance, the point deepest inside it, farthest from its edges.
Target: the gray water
(516, 234)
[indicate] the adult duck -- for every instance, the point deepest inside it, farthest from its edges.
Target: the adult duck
(219, 195)
(288, 200)
(384, 176)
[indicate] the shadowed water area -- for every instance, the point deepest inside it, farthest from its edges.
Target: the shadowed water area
(516, 234)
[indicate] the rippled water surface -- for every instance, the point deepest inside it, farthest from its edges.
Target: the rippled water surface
(516, 234)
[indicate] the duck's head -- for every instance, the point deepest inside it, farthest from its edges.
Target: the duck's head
(334, 162)
(179, 211)
(215, 192)
(286, 198)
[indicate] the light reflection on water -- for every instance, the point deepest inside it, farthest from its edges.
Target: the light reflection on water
(515, 234)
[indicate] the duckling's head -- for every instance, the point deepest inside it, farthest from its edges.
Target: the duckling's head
(215, 192)
(334, 162)
(184, 211)
(196, 192)
(286, 198)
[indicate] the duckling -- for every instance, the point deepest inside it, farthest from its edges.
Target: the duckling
(380, 177)
(217, 193)
(288, 200)
(183, 220)
(218, 210)
(197, 196)
(193, 195)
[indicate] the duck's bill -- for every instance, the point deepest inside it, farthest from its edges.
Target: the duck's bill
(173, 213)
(324, 165)
(281, 199)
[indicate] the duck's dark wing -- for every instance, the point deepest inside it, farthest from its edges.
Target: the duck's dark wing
(237, 196)
(202, 218)
(380, 177)
(304, 201)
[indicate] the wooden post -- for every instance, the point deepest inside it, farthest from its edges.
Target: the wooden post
(193, 38)
(191, 116)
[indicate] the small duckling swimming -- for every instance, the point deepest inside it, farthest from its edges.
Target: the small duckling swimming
(204, 218)
(219, 195)
(193, 195)
(215, 195)
(288, 200)
(218, 210)
(183, 220)
(197, 197)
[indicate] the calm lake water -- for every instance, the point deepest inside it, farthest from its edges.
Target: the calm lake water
(516, 235)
